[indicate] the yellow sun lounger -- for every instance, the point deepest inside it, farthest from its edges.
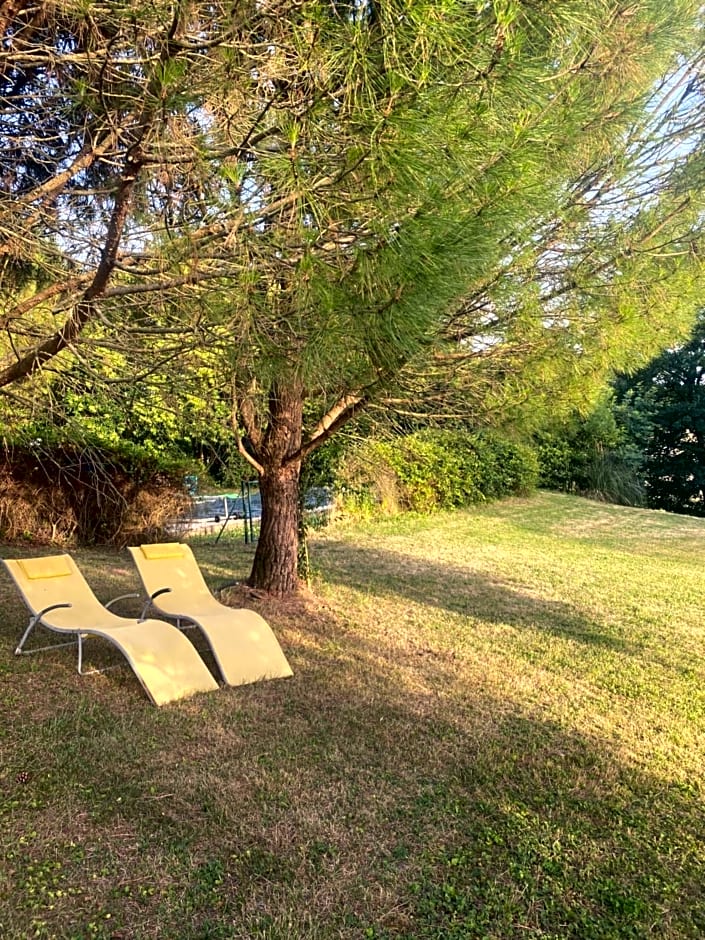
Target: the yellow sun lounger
(59, 598)
(242, 642)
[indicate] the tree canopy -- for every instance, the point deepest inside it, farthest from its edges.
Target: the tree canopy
(663, 405)
(346, 203)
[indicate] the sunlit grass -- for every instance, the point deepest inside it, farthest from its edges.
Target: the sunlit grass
(495, 730)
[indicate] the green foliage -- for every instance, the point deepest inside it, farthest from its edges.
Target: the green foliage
(43, 439)
(320, 469)
(663, 407)
(643, 445)
(591, 455)
(433, 470)
(182, 420)
(498, 199)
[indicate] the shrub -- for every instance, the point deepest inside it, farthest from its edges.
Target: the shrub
(590, 455)
(432, 470)
(76, 494)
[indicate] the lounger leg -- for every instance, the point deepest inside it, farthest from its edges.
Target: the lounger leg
(36, 619)
(33, 621)
(91, 672)
(25, 635)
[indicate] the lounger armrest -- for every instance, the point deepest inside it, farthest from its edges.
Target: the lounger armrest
(122, 597)
(157, 593)
(51, 607)
(152, 597)
(34, 620)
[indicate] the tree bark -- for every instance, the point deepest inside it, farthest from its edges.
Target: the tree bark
(275, 566)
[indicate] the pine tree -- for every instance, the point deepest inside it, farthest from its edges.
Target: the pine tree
(345, 201)
(668, 398)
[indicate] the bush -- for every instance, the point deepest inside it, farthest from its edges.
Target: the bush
(76, 494)
(589, 455)
(433, 470)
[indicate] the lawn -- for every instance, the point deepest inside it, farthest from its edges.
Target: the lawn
(495, 729)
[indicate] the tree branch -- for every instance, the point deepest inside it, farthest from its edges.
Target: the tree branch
(34, 359)
(39, 298)
(343, 411)
(244, 408)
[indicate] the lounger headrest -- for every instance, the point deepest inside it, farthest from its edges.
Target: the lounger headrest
(51, 566)
(162, 550)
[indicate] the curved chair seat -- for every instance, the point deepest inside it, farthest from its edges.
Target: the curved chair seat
(242, 642)
(59, 598)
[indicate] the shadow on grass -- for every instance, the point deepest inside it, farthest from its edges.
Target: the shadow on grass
(460, 591)
(351, 801)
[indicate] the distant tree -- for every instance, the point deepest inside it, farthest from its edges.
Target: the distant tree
(665, 406)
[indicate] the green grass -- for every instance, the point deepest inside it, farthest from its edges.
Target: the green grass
(495, 730)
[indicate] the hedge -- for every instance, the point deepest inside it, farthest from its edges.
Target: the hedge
(432, 470)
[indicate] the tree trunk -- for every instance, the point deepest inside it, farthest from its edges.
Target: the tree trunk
(275, 566)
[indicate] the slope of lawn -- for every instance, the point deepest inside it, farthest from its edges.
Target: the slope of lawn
(495, 730)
